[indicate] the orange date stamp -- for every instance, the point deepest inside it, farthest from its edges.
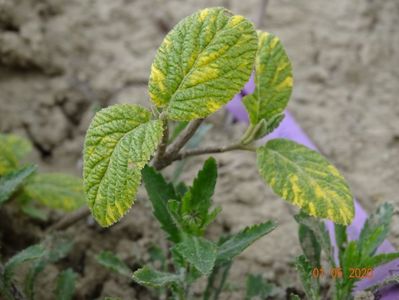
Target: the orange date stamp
(353, 273)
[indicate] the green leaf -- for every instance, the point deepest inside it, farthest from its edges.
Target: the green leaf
(65, 285)
(258, 288)
(310, 245)
(202, 63)
(310, 285)
(159, 192)
(119, 142)
(306, 179)
(197, 201)
(30, 253)
(114, 263)
(375, 230)
(56, 190)
(151, 278)
(273, 80)
(199, 252)
(55, 248)
(319, 230)
(10, 182)
(294, 297)
(341, 239)
(265, 127)
(13, 148)
(238, 242)
(378, 260)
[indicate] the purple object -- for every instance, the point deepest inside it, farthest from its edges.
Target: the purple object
(290, 129)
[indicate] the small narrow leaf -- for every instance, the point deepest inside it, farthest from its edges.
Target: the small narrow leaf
(375, 230)
(159, 192)
(12, 181)
(273, 80)
(119, 142)
(65, 285)
(114, 263)
(199, 252)
(151, 278)
(237, 243)
(306, 179)
(30, 253)
(56, 190)
(310, 284)
(202, 63)
(341, 239)
(310, 245)
(378, 260)
(13, 148)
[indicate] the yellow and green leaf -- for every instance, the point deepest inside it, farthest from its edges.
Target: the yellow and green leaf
(13, 148)
(202, 63)
(306, 179)
(273, 80)
(119, 143)
(56, 190)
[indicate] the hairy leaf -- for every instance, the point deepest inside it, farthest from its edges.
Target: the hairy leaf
(119, 142)
(273, 80)
(56, 190)
(306, 179)
(310, 245)
(310, 285)
(202, 63)
(12, 149)
(159, 192)
(10, 182)
(341, 239)
(152, 278)
(114, 263)
(238, 242)
(375, 230)
(65, 285)
(199, 252)
(30, 253)
(378, 260)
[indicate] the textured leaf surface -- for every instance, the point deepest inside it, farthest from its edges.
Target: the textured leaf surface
(199, 252)
(375, 230)
(56, 190)
(10, 182)
(239, 242)
(306, 179)
(159, 192)
(202, 63)
(12, 149)
(258, 288)
(310, 245)
(273, 80)
(65, 285)
(152, 278)
(114, 263)
(121, 139)
(310, 285)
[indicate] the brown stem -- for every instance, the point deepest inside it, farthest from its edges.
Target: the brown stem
(183, 138)
(164, 143)
(70, 219)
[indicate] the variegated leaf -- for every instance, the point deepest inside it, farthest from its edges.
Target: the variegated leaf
(202, 63)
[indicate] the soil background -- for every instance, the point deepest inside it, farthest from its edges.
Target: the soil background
(61, 60)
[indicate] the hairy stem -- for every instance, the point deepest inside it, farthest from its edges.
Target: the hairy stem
(164, 143)
(212, 150)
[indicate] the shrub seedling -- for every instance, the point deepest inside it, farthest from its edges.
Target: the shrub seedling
(202, 63)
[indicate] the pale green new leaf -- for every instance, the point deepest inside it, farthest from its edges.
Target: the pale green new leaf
(199, 252)
(65, 285)
(202, 63)
(238, 242)
(306, 179)
(119, 142)
(152, 278)
(12, 149)
(10, 182)
(273, 80)
(114, 263)
(56, 190)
